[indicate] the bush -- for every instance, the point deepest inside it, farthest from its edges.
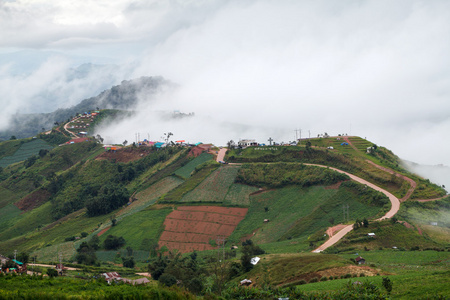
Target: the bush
(113, 242)
(324, 278)
(167, 279)
(70, 238)
(302, 282)
(362, 275)
(84, 234)
(52, 272)
(348, 275)
(315, 279)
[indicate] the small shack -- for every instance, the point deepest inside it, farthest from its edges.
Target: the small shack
(246, 282)
(360, 260)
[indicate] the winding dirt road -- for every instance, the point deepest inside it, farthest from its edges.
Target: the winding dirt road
(395, 206)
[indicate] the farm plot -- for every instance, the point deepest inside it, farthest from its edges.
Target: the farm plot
(215, 187)
(239, 194)
(149, 196)
(185, 171)
(25, 151)
(192, 227)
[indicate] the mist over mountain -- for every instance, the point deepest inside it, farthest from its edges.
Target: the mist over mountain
(124, 96)
(439, 174)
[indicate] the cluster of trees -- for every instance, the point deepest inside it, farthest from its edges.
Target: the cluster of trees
(359, 223)
(174, 269)
(106, 199)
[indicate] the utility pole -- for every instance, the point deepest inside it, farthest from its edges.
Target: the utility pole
(221, 239)
(15, 254)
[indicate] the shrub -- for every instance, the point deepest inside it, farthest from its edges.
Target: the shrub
(84, 234)
(315, 279)
(362, 275)
(167, 279)
(324, 278)
(348, 275)
(302, 282)
(331, 278)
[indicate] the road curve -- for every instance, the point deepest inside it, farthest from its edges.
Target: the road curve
(395, 206)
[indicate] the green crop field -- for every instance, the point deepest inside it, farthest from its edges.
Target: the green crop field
(149, 196)
(186, 171)
(146, 224)
(296, 213)
(7, 213)
(25, 151)
(239, 194)
(112, 256)
(215, 187)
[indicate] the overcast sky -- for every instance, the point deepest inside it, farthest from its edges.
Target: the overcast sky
(377, 69)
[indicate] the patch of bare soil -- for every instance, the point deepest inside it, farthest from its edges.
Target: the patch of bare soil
(125, 155)
(334, 186)
(354, 270)
(33, 200)
(196, 151)
(103, 231)
(332, 230)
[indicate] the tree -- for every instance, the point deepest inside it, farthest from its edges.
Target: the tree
(128, 262)
(387, 284)
(365, 222)
(231, 144)
(13, 137)
(167, 136)
(113, 242)
(125, 143)
(43, 152)
(129, 251)
(167, 279)
(99, 139)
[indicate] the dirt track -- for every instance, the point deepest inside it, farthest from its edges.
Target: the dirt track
(221, 154)
(395, 206)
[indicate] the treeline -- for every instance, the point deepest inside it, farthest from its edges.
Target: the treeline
(282, 174)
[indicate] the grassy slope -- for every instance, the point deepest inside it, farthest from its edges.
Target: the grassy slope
(186, 171)
(415, 274)
(215, 187)
(144, 224)
(296, 214)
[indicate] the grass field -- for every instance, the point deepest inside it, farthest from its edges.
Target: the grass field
(186, 171)
(139, 226)
(215, 187)
(298, 216)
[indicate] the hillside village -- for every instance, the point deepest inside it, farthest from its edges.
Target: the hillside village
(251, 216)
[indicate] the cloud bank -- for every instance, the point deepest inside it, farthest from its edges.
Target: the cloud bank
(377, 69)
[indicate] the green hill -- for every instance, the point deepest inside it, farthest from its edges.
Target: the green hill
(76, 196)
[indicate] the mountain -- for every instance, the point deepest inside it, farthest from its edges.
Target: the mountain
(124, 96)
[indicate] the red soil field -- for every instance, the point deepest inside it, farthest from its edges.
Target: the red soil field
(192, 227)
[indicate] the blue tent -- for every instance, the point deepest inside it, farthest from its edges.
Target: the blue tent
(159, 144)
(17, 262)
(344, 144)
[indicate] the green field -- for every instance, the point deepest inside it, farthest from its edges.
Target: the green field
(186, 171)
(295, 214)
(25, 151)
(146, 224)
(239, 194)
(215, 187)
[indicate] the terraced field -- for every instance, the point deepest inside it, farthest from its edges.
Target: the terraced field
(215, 187)
(192, 228)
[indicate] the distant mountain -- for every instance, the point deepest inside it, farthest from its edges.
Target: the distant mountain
(124, 97)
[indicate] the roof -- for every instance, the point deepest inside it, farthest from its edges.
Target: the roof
(17, 262)
(359, 258)
(255, 260)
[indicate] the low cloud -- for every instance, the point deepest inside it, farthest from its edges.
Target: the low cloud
(376, 69)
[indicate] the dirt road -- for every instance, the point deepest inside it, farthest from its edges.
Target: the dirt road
(221, 154)
(395, 206)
